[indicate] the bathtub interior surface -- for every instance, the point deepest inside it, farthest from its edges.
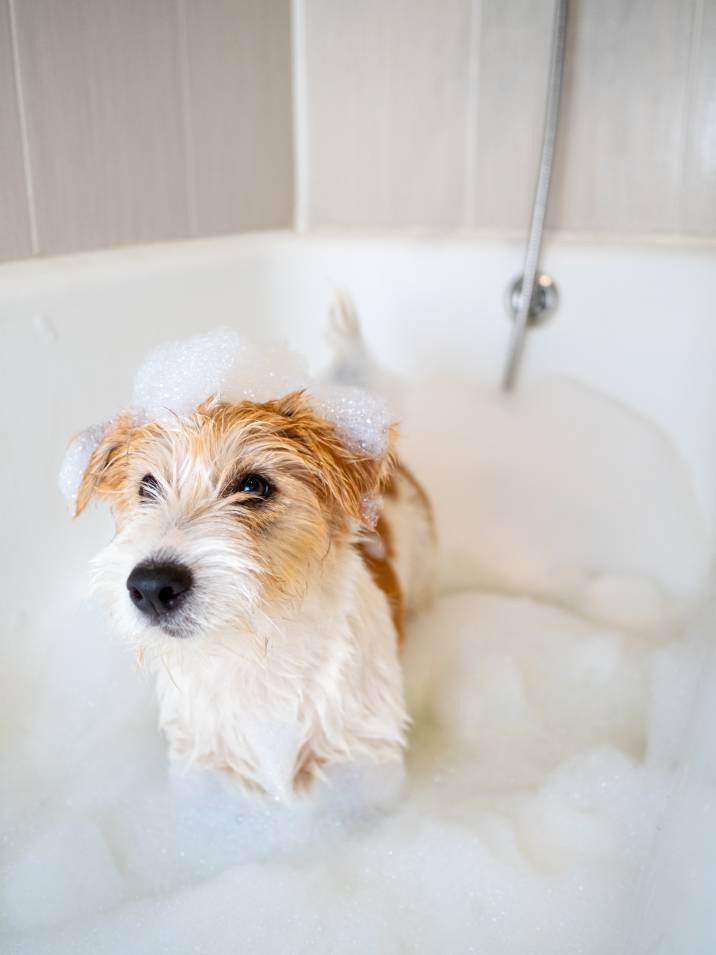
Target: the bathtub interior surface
(560, 788)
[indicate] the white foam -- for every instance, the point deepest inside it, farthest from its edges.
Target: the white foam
(361, 418)
(547, 763)
(528, 809)
(178, 376)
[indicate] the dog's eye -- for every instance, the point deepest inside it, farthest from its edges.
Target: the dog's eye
(252, 484)
(149, 487)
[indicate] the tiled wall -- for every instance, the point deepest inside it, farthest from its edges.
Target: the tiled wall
(429, 113)
(126, 121)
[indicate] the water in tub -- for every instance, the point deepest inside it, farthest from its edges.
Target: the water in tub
(551, 688)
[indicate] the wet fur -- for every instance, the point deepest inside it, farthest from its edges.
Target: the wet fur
(284, 658)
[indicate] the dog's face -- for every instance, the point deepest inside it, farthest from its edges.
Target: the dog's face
(223, 514)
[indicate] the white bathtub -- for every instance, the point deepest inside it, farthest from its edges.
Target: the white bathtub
(634, 335)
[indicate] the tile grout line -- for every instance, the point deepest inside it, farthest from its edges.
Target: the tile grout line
(24, 137)
(299, 101)
(187, 125)
(472, 106)
(687, 120)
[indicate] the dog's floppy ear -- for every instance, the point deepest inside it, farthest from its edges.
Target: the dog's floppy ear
(106, 468)
(349, 477)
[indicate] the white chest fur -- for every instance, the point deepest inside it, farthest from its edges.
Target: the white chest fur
(293, 693)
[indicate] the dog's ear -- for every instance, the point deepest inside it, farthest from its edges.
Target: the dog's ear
(349, 478)
(106, 469)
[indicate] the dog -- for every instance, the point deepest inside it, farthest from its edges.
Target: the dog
(263, 568)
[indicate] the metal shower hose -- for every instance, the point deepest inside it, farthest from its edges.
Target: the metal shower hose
(539, 210)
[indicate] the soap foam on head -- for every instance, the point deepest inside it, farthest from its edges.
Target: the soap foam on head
(177, 377)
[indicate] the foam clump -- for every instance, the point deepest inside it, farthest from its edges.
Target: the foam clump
(76, 460)
(528, 812)
(361, 418)
(177, 377)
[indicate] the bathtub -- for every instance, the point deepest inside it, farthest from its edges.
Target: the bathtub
(628, 358)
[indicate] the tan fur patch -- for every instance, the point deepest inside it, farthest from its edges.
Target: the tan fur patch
(286, 426)
(106, 471)
(384, 575)
(341, 476)
(321, 484)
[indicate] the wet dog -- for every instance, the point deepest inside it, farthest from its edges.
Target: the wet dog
(263, 567)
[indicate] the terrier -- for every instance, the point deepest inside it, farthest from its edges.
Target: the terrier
(263, 567)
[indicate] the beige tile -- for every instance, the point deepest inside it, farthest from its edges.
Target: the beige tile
(387, 111)
(101, 81)
(15, 238)
(698, 209)
(238, 57)
(621, 150)
(513, 46)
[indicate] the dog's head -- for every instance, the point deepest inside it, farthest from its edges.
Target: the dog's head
(224, 513)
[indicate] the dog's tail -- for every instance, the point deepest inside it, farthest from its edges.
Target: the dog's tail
(352, 362)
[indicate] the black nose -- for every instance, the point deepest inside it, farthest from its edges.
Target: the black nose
(157, 588)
